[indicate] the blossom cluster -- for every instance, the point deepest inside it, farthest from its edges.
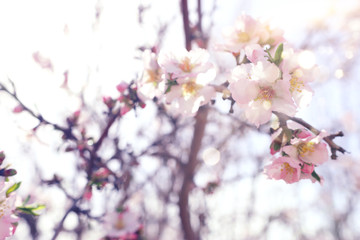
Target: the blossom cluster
(267, 78)
(8, 221)
(296, 154)
(122, 224)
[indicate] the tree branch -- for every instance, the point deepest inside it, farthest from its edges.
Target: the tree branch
(328, 139)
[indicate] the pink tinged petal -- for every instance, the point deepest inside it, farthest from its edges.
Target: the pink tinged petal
(291, 150)
(304, 134)
(318, 156)
(283, 106)
(174, 93)
(122, 87)
(303, 98)
(254, 53)
(284, 168)
(257, 114)
(265, 72)
(243, 91)
(241, 73)
(125, 109)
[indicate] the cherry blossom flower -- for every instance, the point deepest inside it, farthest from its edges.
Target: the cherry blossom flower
(7, 207)
(247, 31)
(120, 224)
(189, 75)
(151, 84)
(285, 168)
(310, 149)
(298, 77)
(184, 64)
(259, 90)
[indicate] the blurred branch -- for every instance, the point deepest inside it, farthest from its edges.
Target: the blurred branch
(67, 131)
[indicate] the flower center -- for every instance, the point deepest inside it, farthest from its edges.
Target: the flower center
(119, 224)
(185, 65)
(151, 77)
(265, 94)
(189, 89)
(287, 168)
(304, 148)
(3, 208)
(295, 83)
(243, 37)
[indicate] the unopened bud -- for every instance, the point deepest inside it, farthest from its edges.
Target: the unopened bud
(9, 172)
(18, 109)
(122, 87)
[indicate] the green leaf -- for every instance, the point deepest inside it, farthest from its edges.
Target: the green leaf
(278, 53)
(316, 176)
(13, 188)
(170, 83)
(30, 210)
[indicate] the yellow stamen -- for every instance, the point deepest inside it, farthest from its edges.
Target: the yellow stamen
(189, 89)
(305, 148)
(185, 65)
(243, 37)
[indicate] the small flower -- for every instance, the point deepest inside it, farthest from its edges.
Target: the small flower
(285, 168)
(7, 207)
(259, 90)
(120, 224)
(311, 150)
(151, 84)
(184, 64)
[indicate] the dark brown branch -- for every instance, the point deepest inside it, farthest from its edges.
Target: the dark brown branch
(186, 22)
(189, 170)
(328, 139)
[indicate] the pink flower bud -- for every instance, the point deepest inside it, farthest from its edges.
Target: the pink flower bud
(307, 168)
(125, 109)
(9, 172)
(18, 109)
(122, 87)
(109, 102)
(102, 173)
(88, 193)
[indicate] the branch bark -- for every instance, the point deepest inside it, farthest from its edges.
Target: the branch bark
(189, 170)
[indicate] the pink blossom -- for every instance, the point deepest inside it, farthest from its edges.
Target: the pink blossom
(121, 224)
(7, 208)
(121, 87)
(246, 30)
(124, 109)
(43, 61)
(187, 97)
(285, 168)
(184, 64)
(310, 150)
(259, 90)
(151, 84)
(298, 77)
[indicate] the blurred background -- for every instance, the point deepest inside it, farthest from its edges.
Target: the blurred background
(65, 55)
